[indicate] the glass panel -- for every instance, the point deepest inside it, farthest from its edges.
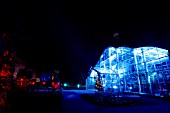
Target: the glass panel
(144, 69)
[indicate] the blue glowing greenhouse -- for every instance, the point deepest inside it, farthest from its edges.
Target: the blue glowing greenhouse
(141, 70)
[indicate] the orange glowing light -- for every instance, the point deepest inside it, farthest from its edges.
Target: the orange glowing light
(33, 83)
(52, 77)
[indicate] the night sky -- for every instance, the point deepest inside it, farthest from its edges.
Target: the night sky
(72, 36)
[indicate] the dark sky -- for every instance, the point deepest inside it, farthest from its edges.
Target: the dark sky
(72, 36)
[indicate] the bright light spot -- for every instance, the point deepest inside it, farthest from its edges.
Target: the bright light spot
(115, 87)
(65, 84)
(52, 77)
(93, 73)
(78, 85)
(152, 75)
(149, 81)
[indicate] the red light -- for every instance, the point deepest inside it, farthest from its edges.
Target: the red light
(22, 79)
(33, 83)
(57, 85)
(6, 53)
(52, 83)
(43, 83)
(3, 73)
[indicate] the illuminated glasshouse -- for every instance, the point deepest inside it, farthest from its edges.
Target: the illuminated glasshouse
(141, 70)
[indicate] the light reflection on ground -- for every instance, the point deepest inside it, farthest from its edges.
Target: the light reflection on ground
(72, 102)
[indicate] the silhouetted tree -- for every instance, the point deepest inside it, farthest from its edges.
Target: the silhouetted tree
(23, 73)
(7, 57)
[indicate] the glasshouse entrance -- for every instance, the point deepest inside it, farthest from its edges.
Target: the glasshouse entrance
(141, 70)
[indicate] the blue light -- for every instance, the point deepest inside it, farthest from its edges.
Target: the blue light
(132, 66)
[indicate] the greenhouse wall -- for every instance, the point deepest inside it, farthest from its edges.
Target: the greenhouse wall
(141, 70)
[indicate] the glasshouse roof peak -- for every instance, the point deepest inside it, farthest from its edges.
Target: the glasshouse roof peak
(112, 55)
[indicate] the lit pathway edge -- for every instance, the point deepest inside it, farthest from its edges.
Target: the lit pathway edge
(79, 91)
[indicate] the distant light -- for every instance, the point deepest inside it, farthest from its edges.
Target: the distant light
(116, 35)
(43, 83)
(65, 84)
(115, 87)
(33, 83)
(52, 78)
(153, 74)
(53, 83)
(78, 85)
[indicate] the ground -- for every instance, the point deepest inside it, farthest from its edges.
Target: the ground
(44, 102)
